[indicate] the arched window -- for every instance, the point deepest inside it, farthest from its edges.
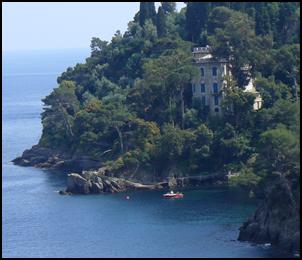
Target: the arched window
(202, 88)
(216, 100)
(202, 72)
(214, 71)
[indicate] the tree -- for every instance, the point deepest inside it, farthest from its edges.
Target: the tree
(170, 74)
(217, 19)
(168, 7)
(60, 108)
(283, 112)
(97, 45)
(230, 147)
(279, 150)
(238, 6)
(237, 106)
(235, 41)
(146, 11)
(196, 18)
(130, 103)
(287, 64)
(271, 91)
(172, 142)
(287, 22)
(161, 22)
(262, 19)
(202, 146)
(118, 116)
(149, 31)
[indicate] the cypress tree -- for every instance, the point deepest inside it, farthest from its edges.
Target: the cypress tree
(225, 4)
(146, 11)
(196, 18)
(287, 21)
(161, 22)
(238, 6)
(168, 7)
(262, 20)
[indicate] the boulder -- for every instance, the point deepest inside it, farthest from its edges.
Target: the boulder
(96, 188)
(77, 184)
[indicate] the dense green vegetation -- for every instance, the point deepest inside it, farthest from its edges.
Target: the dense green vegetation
(130, 104)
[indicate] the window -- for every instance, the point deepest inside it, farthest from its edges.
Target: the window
(214, 71)
(202, 72)
(202, 88)
(216, 109)
(203, 100)
(215, 87)
(216, 101)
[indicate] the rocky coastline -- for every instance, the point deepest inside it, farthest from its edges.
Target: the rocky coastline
(44, 157)
(276, 220)
(92, 182)
(88, 176)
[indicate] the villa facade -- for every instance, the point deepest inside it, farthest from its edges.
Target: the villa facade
(209, 87)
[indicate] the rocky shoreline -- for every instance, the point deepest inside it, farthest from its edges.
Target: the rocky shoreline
(88, 176)
(93, 182)
(276, 220)
(43, 157)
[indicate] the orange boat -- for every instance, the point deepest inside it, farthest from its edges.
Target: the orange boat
(171, 194)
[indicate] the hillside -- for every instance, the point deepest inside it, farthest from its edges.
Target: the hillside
(129, 107)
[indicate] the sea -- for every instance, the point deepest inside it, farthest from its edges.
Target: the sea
(38, 222)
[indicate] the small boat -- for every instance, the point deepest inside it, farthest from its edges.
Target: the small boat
(171, 194)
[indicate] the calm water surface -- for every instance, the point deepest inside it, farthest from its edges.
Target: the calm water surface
(37, 222)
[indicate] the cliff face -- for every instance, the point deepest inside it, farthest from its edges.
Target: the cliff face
(277, 219)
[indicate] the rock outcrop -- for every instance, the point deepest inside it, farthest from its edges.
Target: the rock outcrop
(96, 182)
(99, 182)
(277, 219)
(43, 157)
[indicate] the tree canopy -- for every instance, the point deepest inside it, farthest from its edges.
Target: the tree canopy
(130, 103)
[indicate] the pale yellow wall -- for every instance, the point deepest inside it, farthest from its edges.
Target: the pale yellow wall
(204, 60)
(209, 80)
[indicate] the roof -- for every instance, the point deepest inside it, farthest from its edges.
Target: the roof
(205, 55)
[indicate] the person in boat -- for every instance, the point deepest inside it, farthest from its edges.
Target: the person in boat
(171, 192)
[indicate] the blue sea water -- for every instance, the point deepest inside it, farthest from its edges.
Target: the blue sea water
(37, 222)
